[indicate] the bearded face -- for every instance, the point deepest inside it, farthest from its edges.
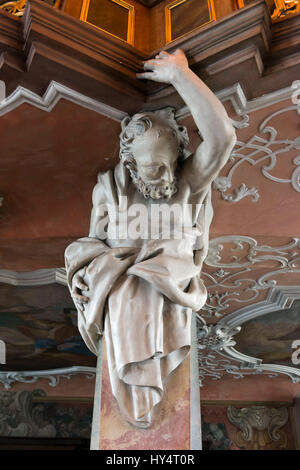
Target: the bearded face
(155, 155)
(163, 189)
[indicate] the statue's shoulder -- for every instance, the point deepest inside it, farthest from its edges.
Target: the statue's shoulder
(109, 184)
(198, 184)
(105, 176)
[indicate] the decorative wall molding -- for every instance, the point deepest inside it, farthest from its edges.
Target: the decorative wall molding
(266, 148)
(226, 285)
(2, 91)
(257, 149)
(215, 337)
(34, 278)
(259, 427)
(279, 298)
(52, 375)
(255, 253)
(242, 106)
(54, 93)
(214, 366)
(25, 414)
(20, 417)
(235, 94)
(233, 282)
(220, 338)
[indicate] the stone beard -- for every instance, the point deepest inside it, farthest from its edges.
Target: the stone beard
(161, 190)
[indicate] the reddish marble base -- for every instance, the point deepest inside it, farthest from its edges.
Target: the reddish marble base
(171, 428)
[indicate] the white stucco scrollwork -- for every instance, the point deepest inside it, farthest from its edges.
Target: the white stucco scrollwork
(218, 353)
(264, 148)
(234, 282)
(52, 375)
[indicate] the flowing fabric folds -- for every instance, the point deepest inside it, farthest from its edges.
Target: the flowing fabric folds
(141, 297)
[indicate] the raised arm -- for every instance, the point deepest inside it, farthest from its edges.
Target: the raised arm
(209, 114)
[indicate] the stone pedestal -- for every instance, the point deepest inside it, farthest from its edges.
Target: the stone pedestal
(176, 421)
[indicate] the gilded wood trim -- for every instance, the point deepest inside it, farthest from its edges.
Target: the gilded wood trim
(282, 6)
(240, 3)
(176, 3)
(130, 24)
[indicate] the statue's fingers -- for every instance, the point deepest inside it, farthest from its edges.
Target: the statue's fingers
(150, 64)
(163, 54)
(80, 298)
(81, 285)
(146, 75)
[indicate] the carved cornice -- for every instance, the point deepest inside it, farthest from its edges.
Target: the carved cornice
(34, 278)
(10, 31)
(88, 59)
(150, 3)
(250, 23)
(104, 67)
(286, 35)
(53, 94)
(69, 32)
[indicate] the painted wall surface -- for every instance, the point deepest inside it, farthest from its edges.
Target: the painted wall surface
(39, 327)
(270, 337)
(31, 414)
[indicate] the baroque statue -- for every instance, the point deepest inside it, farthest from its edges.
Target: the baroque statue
(137, 280)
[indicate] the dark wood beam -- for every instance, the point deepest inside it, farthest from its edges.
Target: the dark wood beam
(48, 44)
(150, 3)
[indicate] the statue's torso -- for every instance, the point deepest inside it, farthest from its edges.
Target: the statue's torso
(133, 220)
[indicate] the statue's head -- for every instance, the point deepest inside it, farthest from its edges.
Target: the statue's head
(151, 143)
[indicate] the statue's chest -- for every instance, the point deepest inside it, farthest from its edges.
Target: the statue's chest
(136, 219)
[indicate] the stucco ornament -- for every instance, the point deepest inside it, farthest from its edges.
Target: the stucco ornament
(136, 277)
(259, 427)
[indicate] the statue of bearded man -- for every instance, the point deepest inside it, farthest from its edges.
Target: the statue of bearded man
(140, 291)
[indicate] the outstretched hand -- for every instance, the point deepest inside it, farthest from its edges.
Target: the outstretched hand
(165, 67)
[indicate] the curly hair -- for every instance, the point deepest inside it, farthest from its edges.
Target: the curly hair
(137, 125)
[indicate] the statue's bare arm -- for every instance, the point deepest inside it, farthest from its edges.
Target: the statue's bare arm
(210, 116)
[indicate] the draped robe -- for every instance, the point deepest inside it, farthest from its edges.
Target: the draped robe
(141, 291)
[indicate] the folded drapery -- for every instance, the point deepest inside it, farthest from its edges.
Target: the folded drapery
(141, 298)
